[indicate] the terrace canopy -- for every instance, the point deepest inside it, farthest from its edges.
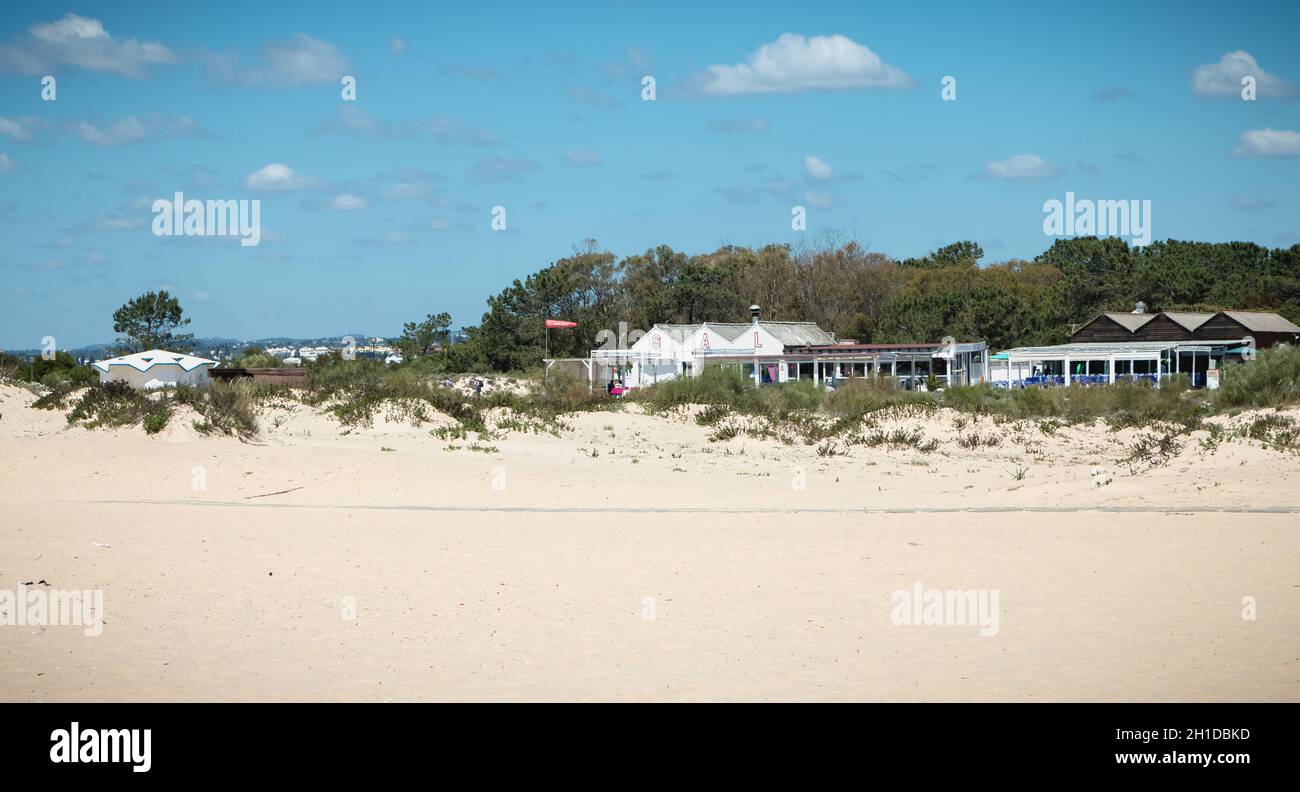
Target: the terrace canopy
(907, 364)
(1095, 363)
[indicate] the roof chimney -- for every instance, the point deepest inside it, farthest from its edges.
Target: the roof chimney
(754, 311)
(1140, 308)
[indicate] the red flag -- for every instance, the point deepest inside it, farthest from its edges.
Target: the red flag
(560, 323)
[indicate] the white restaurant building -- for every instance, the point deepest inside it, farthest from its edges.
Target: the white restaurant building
(777, 352)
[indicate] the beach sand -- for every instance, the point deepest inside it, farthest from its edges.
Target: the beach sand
(633, 559)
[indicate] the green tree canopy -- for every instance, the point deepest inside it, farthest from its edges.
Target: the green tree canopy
(419, 338)
(149, 322)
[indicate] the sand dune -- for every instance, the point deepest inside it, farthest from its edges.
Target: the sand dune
(632, 558)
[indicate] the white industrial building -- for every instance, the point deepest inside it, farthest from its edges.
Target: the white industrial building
(155, 368)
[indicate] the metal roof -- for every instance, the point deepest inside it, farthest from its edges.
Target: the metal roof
(798, 333)
(729, 330)
(143, 361)
(1262, 322)
(1258, 321)
(1102, 350)
(788, 333)
(1188, 319)
(678, 332)
(1130, 321)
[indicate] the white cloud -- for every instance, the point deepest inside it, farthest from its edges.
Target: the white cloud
(581, 157)
(793, 63)
(820, 200)
(501, 169)
(1022, 167)
(6, 164)
(398, 45)
(439, 224)
(1268, 143)
(277, 177)
(592, 98)
(407, 190)
(743, 194)
(19, 130)
(908, 172)
(393, 237)
(1224, 78)
(347, 202)
(816, 168)
(449, 130)
(126, 130)
(441, 128)
(350, 119)
(736, 126)
(1250, 201)
(302, 60)
(118, 223)
(480, 73)
(81, 42)
(131, 129)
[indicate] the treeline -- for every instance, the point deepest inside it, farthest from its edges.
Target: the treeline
(872, 297)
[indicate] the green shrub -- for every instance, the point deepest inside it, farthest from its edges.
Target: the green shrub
(61, 370)
(710, 415)
(1032, 403)
(58, 398)
(982, 399)
(779, 401)
(901, 438)
(1120, 404)
(1274, 431)
(564, 393)
(715, 385)
(1271, 380)
(230, 407)
(156, 420)
(111, 404)
(259, 360)
(859, 398)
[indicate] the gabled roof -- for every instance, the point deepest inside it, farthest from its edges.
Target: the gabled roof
(143, 361)
(788, 333)
(1187, 319)
(677, 332)
(729, 330)
(797, 333)
(1262, 322)
(1130, 321)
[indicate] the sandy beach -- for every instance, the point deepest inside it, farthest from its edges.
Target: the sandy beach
(632, 558)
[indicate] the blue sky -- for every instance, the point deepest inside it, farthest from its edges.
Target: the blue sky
(378, 211)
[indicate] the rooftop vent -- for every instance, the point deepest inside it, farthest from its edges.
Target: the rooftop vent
(754, 310)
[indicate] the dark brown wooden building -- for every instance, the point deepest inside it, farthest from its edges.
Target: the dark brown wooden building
(1267, 329)
(292, 376)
